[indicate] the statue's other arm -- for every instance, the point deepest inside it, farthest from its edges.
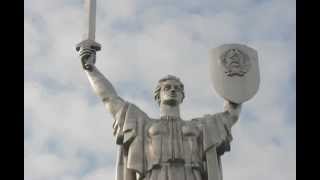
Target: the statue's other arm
(217, 127)
(100, 84)
(232, 110)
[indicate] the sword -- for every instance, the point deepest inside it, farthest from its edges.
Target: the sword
(90, 23)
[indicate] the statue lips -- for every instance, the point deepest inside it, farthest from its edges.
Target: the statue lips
(235, 64)
(173, 95)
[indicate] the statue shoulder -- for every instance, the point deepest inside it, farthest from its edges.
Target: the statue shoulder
(210, 119)
(216, 116)
(135, 110)
(206, 117)
(129, 113)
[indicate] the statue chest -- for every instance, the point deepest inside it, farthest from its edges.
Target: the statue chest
(173, 140)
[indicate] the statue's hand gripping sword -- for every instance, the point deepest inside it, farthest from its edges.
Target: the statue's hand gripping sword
(88, 45)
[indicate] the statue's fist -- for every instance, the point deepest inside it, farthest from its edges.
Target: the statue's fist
(231, 106)
(88, 57)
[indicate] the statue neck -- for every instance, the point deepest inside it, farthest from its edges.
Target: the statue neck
(167, 110)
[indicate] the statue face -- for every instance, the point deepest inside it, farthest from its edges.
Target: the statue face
(171, 93)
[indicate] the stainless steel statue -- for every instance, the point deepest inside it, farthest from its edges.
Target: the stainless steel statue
(168, 147)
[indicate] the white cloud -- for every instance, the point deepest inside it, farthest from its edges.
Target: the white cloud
(101, 174)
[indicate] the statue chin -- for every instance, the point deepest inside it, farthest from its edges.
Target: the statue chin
(170, 102)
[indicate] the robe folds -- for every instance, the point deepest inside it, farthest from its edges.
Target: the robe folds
(169, 148)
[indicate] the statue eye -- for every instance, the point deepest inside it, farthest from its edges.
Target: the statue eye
(167, 87)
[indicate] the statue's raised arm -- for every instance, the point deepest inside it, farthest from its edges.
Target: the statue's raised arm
(100, 84)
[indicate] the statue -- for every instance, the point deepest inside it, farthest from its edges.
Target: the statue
(168, 147)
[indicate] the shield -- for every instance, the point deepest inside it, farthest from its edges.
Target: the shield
(234, 72)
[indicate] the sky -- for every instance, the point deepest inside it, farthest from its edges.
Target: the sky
(67, 130)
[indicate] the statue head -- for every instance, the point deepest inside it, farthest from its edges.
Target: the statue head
(169, 91)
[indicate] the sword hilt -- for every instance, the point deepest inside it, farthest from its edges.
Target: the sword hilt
(87, 66)
(92, 46)
(88, 43)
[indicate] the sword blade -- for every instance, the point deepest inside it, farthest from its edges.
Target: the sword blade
(90, 20)
(88, 40)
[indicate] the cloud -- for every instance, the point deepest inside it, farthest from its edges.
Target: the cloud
(68, 132)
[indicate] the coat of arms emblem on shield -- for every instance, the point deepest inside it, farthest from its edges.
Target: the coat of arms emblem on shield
(235, 62)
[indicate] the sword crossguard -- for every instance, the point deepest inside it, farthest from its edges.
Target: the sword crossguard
(88, 43)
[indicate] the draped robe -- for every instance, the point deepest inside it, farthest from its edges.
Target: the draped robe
(170, 148)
